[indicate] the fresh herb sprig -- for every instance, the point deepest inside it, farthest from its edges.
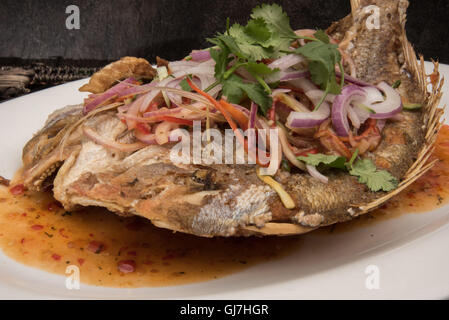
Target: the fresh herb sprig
(268, 35)
(322, 57)
(364, 169)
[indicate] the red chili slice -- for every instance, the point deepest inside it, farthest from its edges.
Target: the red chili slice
(126, 266)
(17, 189)
(95, 247)
(56, 257)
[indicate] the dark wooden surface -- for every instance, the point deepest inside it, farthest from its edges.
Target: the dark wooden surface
(32, 29)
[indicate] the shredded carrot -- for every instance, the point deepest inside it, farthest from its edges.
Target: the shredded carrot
(220, 106)
(305, 153)
(238, 115)
(177, 120)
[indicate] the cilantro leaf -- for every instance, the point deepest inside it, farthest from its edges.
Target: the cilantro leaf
(260, 68)
(258, 31)
(374, 178)
(234, 89)
(364, 169)
(322, 36)
(248, 45)
(257, 93)
(224, 40)
(221, 59)
(330, 161)
(265, 36)
(278, 23)
(322, 59)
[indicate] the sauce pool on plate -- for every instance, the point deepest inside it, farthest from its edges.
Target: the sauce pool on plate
(130, 252)
(120, 252)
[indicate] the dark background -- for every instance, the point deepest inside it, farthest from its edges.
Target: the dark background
(32, 29)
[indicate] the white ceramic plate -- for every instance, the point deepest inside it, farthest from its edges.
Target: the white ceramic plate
(410, 252)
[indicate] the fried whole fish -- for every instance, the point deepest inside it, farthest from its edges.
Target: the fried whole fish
(230, 200)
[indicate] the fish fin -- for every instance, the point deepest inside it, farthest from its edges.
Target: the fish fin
(354, 5)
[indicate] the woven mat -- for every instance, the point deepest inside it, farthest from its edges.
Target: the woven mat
(18, 77)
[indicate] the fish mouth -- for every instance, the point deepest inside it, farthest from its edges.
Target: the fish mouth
(232, 200)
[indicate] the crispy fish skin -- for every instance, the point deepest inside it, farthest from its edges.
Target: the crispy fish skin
(229, 200)
(41, 155)
(126, 67)
(181, 197)
(378, 52)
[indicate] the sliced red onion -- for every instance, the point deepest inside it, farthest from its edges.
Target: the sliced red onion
(373, 95)
(114, 91)
(133, 111)
(252, 115)
(308, 119)
(381, 124)
(389, 107)
(303, 84)
(98, 139)
(162, 112)
(287, 76)
(316, 174)
(206, 68)
(353, 116)
(162, 131)
(148, 138)
(287, 61)
(353, 80)
(176, 66)
(123, 108)
(287, 151)
(200, 55)
(136, 90)
(341, 106)
(149, 97)
(174, 98)
(361, 112)
(311, 90)
(317, 94)
(206, 80)
(275, 92)
(215, 91)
